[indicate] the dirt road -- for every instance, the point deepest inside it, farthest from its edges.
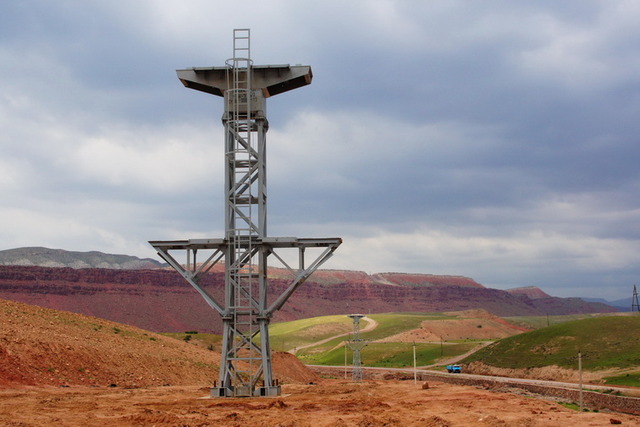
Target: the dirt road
(329, 403)
(370, 372)
(460, 357)
(371, 325)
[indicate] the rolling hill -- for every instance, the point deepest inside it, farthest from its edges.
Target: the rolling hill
(391, 336)
(605, 342)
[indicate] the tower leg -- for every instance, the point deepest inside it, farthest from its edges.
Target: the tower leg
(224, 387)
(270, 386)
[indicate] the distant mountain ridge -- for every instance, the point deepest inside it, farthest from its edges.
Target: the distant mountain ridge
(45, 257)
(623, 304)
(533, 292)
(159, 299)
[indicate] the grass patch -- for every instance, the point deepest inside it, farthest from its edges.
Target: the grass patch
(538, 322)
(605, 342)
(632, 380)
(574, 406)
(208, 341)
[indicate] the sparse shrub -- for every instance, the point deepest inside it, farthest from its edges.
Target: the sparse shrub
(187, 338)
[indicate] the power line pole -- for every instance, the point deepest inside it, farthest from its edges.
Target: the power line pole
(580, 356)
(415, 366)
(580, 370)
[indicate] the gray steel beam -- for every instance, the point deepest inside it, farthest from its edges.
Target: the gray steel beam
(270, 79)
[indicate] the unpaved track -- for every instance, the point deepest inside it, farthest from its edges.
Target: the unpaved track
(559, 384)
(630, 391)
(371, 325)
(458, 358)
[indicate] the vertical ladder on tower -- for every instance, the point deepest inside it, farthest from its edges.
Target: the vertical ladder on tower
(242, 197)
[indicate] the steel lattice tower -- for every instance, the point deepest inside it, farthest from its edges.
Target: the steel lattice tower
(356, 344)
(635, 304)
(245, 367)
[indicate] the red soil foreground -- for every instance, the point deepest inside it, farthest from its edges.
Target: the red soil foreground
(64, 369)
(328, 403)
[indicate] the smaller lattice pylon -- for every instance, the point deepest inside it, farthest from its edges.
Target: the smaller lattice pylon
(356, 344)
(635, 305)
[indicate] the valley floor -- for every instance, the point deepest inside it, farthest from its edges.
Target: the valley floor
(328, 403)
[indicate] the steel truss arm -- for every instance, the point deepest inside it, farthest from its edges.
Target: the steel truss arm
(302, 273)
(191, 272)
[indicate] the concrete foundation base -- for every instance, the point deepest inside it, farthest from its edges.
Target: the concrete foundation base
(245, 391)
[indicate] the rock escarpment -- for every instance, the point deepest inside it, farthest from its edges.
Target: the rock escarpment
(160, 300)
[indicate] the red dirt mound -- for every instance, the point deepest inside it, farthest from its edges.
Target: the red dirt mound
(41, 346)
(469, 324)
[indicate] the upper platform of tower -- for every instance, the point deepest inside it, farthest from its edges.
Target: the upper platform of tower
(271, 79)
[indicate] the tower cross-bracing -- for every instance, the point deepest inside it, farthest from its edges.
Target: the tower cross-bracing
(245, 366)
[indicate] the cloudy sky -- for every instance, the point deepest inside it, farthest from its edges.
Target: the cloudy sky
(496, 139)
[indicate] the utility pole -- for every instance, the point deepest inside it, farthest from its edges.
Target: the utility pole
(580, 356)
(415, 365)
(580, 370)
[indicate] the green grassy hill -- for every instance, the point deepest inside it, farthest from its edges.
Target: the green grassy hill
(302, 334)
(537, 322)
(285, 336)
(389, 354)
(605, 342)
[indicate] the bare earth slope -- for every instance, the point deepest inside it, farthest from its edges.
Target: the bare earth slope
(41, 346)
(469, 324)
